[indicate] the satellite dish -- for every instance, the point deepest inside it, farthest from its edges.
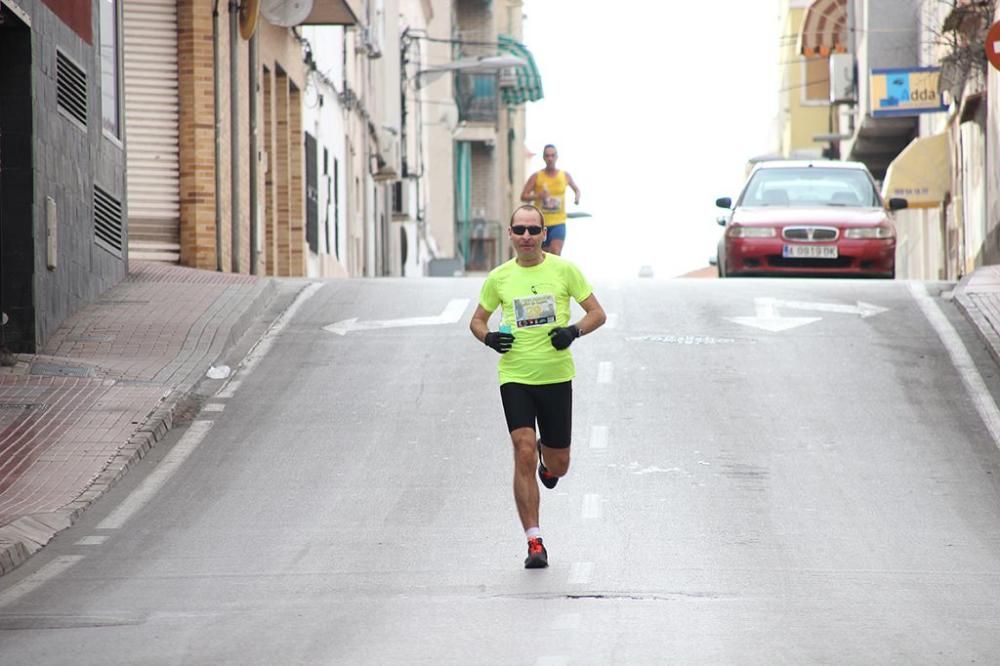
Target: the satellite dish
(286, 13)
(249, 13)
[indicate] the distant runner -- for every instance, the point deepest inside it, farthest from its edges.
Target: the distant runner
(546, 189)
(536, 370)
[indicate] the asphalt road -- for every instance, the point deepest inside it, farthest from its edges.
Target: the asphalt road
(745, 492)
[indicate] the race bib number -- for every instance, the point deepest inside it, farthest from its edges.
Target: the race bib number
(551, 204)
(535, 310)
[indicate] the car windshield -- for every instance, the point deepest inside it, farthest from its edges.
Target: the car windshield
(810, 186)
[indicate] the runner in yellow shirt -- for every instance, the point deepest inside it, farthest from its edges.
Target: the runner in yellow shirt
(547, 190)
(536, 370)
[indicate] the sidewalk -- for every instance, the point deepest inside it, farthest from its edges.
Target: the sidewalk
(106, 387)
(978, 298)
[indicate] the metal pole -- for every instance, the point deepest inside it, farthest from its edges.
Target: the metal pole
(216, 94)
(254, 159)
(234, 131)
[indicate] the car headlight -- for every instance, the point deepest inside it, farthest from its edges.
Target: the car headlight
(881, 231)
(751, 232)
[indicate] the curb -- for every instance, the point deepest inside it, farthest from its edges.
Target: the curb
(25, 536)
(971, 309)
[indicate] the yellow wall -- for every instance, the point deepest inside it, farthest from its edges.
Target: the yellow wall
(801, 120)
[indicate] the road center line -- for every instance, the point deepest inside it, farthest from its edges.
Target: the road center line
(962, 361)
(158, 477)
(591, 506)
(39, 578)
(605, 372)
(599, 437)
(94, 540)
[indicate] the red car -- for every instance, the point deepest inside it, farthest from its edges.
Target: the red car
(809, 218)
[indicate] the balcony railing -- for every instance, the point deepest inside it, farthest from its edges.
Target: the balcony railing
(476, 97)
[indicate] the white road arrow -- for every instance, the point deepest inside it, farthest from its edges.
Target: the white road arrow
(769, 319)
(863, 309)
(451, 313)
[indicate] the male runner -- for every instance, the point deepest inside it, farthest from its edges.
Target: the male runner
(536, 369)
(547, 190)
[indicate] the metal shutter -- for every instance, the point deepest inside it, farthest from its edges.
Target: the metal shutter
(151, 125)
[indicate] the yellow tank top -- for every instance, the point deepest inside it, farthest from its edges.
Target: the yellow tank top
(550, 193)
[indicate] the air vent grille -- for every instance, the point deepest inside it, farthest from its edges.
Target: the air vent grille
(108, 222)
(71, 88)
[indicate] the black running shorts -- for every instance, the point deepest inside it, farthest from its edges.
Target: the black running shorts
(551, 405)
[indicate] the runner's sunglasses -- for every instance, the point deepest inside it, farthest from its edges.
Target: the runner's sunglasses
(519, 229)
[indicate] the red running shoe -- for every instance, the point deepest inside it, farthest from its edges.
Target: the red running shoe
(548, 480)
(537, 557)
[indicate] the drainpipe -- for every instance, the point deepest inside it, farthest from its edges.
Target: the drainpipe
(216, 94)
(254, 159)
(234, 132)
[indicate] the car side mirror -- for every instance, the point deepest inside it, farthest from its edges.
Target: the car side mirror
(721, 220)
(898, 203)
(724, 202)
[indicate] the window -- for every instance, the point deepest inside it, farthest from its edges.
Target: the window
(111, 120)
(817, 84)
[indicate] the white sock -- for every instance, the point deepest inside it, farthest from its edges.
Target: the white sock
(533, 533)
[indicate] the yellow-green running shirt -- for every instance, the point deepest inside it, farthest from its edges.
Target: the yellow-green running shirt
(535, 300)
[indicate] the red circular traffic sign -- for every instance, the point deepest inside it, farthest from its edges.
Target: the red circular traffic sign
(993, 45)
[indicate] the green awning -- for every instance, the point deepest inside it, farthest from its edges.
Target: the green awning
(527, 83)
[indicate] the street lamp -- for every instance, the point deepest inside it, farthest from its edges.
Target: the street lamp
(479, 65)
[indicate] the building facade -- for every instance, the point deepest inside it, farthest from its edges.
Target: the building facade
(62, 163)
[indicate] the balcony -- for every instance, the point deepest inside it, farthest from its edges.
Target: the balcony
(476, 98)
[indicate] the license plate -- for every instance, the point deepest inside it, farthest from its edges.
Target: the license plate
(810, 251)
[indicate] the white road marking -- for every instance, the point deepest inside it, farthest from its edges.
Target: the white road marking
(767, 317)
(605, 370)
(266, 341)
(591, 506)
(213, 407)
(598, 437)
(862, 309)
(451, 314)
(158, 477)
(580, 573)
(95, 540)
(39, 578)
(229, 390)
(962, 361)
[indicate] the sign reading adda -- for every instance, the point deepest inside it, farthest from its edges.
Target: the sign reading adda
(905, 92)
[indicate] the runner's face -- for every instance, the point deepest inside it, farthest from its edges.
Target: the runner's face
(550, 157)
(526, 244)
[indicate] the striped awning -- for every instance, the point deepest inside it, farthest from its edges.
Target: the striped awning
(526, 83)
(824, 28)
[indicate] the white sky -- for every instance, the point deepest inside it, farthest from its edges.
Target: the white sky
(655, 108)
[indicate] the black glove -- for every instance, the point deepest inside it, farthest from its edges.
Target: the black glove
(502, 342)
(564, 337)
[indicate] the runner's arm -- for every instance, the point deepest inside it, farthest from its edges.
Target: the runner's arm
(593, 317)
(480, 324)
(572, 184)
(528, 193)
